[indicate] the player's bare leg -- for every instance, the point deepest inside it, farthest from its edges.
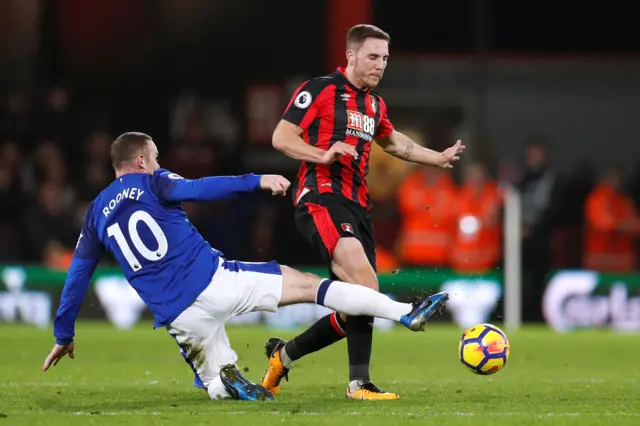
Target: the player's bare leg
(350, 264)
(354, 300)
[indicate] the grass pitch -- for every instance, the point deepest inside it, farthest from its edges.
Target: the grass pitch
(137, 377)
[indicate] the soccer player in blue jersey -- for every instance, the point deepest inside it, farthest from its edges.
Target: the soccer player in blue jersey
(191, 289)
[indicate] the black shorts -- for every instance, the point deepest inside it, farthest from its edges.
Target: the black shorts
(325, 218)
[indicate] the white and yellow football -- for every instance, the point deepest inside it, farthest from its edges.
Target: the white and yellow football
(484, 349)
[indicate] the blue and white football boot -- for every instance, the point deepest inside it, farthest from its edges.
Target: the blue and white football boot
(240, 388)
(423, 310)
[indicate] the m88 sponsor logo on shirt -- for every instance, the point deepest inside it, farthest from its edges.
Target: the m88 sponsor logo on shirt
(360, 125)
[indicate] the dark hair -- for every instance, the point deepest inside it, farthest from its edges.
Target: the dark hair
(359, 33)
(538, 140)
(127, 146)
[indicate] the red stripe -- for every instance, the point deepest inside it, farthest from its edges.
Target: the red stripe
(363, 191)
(328, 232)
(343, 15)
(302, 176)
(302, 173)
(346, 163)
(325, 133)
(346, 177)
(336, 325)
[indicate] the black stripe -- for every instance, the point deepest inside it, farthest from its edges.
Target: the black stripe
(361, 101)
(311, 179)
(313, 131)
(313, 87)
(339, 125)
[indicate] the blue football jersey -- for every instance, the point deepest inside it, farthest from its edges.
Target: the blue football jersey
(139, 219)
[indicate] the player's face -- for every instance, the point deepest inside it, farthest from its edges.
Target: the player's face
(150, 158)
(370, 61)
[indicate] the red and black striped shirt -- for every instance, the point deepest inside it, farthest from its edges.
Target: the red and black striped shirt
(330, 109)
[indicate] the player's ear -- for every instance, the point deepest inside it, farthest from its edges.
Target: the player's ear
(140, 162)
(351, 55)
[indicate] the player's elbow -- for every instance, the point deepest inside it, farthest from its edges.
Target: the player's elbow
(284, 133)
(389, 148)
(279, 139)
(388, 145)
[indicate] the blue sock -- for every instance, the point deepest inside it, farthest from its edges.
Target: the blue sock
(322, 291)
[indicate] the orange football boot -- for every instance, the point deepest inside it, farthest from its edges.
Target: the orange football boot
(276, 371)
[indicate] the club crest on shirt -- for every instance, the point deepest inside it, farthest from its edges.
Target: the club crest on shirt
(346, 227)
(373, 105)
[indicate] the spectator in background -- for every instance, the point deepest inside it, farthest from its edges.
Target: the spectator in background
(11, 203)
(541, 191)
(634, 194)
(386, 172)
(95, 171)
(49, 166)
(48, 222)
(426, 200)
(98, 149)
(94, 180)
(54, 120)
(194, 154)
(612, 226)
(567, 239)
(57, 256)
(477, 237)
(634, 185)
(15, 119)
(217, 119)
(12, 158)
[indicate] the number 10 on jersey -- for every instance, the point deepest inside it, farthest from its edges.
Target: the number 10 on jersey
(132, 227)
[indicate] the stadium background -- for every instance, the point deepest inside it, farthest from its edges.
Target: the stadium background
(209, 80)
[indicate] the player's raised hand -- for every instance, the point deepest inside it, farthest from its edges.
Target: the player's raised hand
(57, 353)
(452, 154)
(337, 151)
(277, 184)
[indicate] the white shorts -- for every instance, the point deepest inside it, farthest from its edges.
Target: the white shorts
(236, 288)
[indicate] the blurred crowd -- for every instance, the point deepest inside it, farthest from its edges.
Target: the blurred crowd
(55, 158)
(585, 217)
(54, 161)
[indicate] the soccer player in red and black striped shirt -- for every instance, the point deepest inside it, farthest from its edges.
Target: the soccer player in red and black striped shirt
(329, 125)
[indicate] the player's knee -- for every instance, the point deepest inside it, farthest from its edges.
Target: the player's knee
(298, 286)
(362, 274)
(350, 263)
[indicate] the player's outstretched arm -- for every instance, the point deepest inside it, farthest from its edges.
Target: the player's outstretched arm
(84, 262)
(170, 187)
(401, 146)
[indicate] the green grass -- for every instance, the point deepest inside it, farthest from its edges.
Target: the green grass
(138, 377)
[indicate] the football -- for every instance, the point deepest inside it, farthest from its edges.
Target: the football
(484, 349)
